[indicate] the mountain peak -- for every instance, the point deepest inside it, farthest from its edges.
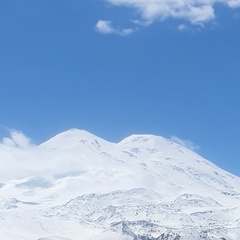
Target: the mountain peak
(72, 138)
(148, 141)
(142, 139)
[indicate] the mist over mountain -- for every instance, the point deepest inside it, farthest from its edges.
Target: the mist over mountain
(79, 186)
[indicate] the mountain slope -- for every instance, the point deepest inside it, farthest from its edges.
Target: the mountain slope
(144, 187)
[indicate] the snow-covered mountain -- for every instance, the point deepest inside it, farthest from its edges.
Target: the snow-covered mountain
(79, 186)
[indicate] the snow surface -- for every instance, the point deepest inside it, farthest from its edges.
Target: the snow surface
(79, 186)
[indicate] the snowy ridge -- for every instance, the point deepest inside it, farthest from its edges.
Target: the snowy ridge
(144, 187)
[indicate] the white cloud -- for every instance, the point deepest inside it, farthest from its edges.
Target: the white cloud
(233, 3)
(186, 143)
(141, 23)
(16, 139)
(196, 12)
(106, 27)
(182, 27)
(19, 158)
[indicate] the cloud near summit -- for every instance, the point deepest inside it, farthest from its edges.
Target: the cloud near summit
(186, 143)
(196, 12)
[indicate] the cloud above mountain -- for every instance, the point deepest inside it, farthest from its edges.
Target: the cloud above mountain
(186, 143)
(20, 158)
(16, 140)
(196, 12)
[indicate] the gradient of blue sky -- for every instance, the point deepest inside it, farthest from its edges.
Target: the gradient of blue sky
(57, 72)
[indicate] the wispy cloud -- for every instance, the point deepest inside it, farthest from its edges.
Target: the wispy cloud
(196, 12)
(186, 143)
(182, 27)
(20, 158)
(106, 27)
(16, 140)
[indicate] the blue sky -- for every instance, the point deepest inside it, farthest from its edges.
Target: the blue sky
(119, 67)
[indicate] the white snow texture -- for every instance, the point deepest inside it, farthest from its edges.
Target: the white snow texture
(79, 186)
